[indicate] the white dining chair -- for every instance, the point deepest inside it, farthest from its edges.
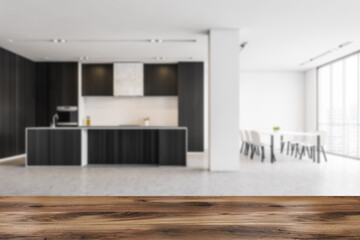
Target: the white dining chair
(243, 141)
(249, 145)
(310, 145)
(297, 141)
(257, 144)
(288, 141)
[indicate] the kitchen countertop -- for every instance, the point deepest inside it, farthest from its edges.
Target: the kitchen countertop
(181, 217)
(108, 127)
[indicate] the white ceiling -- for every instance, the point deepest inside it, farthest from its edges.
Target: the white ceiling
(281, 34)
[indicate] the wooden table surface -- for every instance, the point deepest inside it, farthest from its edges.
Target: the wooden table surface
(179, 217)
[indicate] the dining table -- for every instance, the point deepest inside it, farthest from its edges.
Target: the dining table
(282, 134)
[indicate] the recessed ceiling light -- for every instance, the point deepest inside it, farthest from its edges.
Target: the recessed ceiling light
(179, 40)
(58, 40)
(157, 40)
(146, 40)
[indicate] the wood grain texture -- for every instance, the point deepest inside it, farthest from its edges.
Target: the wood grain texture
(42, 94)
(97, 80)
(191, 102)
(118, 147)
(160, 80)
(163, 147)
(179, 217)
(17, 101)
(172, 147)
(54, 147)
(56, 85)
(63, 86)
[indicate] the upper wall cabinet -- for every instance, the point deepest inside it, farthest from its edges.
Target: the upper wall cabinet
(56, 85)
(63, 79)
(97, 80)
(128, 79)
(160, 80)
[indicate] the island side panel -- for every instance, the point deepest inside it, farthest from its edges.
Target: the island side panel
(38, 148)
(172, 147)
(53, 147)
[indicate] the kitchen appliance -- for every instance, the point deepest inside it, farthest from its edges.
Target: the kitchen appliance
(68, 116)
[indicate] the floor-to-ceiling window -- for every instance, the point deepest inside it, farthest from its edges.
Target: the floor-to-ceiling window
(338, 105)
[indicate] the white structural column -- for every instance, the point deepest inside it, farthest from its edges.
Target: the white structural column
(224, 100)
(84, 147)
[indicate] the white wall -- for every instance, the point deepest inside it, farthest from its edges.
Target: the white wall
(162, 111)
(310, 100)
(269, 99)
(224, 100)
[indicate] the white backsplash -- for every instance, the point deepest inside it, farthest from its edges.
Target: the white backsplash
(162, 111)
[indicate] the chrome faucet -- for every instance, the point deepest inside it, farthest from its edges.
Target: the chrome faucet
(54, 118)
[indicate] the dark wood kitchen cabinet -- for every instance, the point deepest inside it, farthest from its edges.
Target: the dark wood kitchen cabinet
(160, 80)
(53, 147)
(56, 85)
(63, 86)
(122, 146)
(191, 102)
(143, 146)
(17, 102)
(64, 83)
(97, 79)
(172, 150)
(42, 94)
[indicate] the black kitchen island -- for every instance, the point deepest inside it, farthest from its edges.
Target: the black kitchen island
(81, 146)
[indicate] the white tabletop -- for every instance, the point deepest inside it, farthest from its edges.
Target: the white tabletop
(290, 133)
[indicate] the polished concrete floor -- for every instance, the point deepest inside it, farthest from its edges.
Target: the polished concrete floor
(288, 176)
